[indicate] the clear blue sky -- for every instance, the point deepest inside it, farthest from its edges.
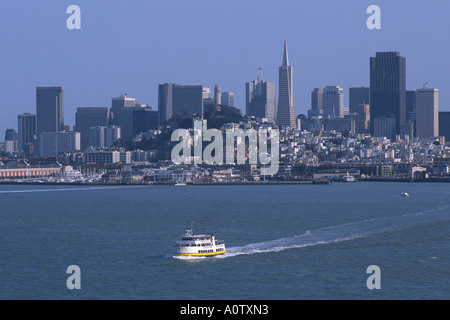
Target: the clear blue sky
(132, 46)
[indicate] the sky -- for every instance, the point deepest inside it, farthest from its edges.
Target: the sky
(132, 46)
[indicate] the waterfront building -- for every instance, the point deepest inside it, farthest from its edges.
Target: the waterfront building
(101, 156)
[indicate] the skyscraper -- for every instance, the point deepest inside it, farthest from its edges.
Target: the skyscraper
(11, 141)
(27, 133)
(260, 99)
(179, 99)
(316, 99)
(286, 114)
(87, 117)
(49, 109)
(388, 89)
(165, 102)
(217, 97)
(333, 102)
(427, 113)
(227, 99)
(444, 125)
(357, 96)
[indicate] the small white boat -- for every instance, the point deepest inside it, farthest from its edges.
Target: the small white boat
(180, 184)
(349, 178)
(199, 245)
(405, 194)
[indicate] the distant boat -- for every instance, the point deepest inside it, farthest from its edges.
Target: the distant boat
(180, 184)
(405, 194)
(349, 178)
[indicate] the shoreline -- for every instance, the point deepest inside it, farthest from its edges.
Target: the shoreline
(254, 183)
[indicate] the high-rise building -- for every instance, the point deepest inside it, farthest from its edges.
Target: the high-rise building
(133, 118)
(286, 113)
(87, 117)
(104, 137)
(227, 99)
(444, 125)
(120, 103)
(217, 96)
(388, 89)
(410, 104)
(333, 102)
(363, 118)
(186, 101)
(49, 109)
(260, 99)
(357, 96)
(27, 133)
(316, 99)
(427, 113)
(165, 102)
(11, 141)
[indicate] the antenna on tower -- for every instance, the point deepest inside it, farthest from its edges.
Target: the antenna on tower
(259, 76)
(425, 85)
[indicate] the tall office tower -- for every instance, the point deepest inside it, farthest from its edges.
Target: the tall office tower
(357, 96)
(53, 143)
(316, 99)
(387, 88)
(121, 102)
(217, 97)
(363, 118)
(227, 99)
(333, 102)
(87, 117)
(11, 142)
(444, 125)
(49, 109)
(165, 102)
(260, 99)
(427, 113)
(104, 137)
(286, 114)
(133, 118)
(186, 101)
(27, 133)
(410, 104)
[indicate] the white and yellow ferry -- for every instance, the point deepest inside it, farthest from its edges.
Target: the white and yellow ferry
(199, 245)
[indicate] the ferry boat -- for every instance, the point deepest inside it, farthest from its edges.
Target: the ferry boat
(199, 245)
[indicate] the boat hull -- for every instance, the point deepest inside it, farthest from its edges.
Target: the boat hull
(208, 254)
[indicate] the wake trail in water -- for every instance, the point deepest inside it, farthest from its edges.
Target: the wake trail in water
(344, 232)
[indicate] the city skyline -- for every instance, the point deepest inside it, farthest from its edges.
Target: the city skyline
(116, 71)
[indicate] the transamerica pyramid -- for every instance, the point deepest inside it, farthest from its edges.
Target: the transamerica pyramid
(285, 114)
